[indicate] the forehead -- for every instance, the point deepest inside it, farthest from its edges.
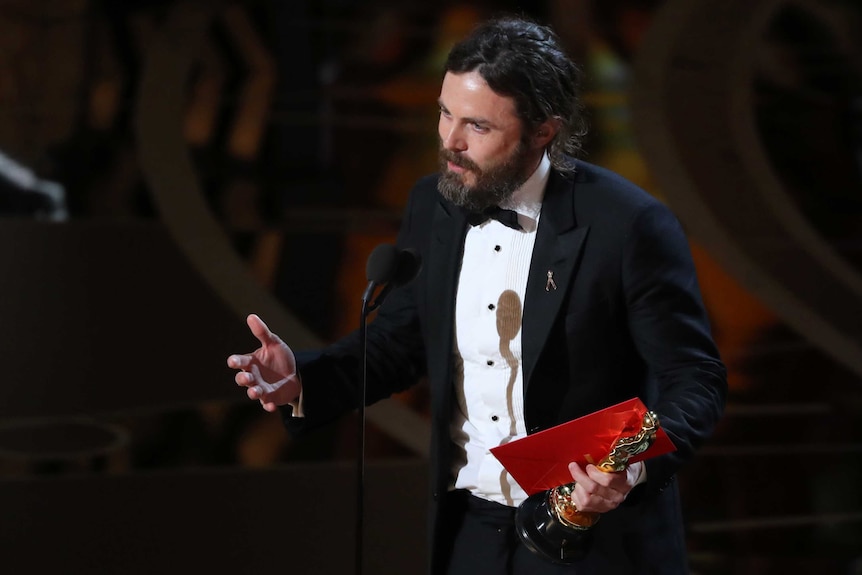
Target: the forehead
(467, 95)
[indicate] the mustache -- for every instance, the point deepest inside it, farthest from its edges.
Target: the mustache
(458, 160)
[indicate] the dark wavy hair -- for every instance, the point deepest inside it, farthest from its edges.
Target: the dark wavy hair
(524, 61)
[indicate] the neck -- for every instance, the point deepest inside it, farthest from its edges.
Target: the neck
(535, 159)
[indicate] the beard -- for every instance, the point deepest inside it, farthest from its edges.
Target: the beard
(494, 185)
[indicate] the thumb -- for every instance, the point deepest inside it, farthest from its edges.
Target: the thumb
(576, 471)
(259, 329)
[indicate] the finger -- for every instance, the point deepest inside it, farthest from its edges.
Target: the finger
(594, 502)
(580, 476)
(239, 361)
(243, 378)
(613, 486)
(583, 486)
(603, 478)
(268, 406)
(260, 330)
(254, 392)
(589, 495)
(610, 490)
(583, 501)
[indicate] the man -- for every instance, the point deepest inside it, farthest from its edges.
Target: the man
(586, 297)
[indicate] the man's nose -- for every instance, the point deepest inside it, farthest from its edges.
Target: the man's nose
(453, 139)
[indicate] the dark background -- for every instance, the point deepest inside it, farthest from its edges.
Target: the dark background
(170, 166)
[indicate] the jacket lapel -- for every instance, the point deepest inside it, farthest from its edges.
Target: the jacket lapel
(559, 242)
(444, 263)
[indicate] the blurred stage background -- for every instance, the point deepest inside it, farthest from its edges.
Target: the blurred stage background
(168, 166)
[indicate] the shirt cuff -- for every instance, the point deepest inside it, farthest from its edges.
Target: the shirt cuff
(297, 407)
(297, 404)
(641, 478)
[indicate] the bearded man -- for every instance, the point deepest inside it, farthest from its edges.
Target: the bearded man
(550, 288)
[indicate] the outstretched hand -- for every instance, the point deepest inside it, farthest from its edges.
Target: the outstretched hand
(597, 491)
(269, 372)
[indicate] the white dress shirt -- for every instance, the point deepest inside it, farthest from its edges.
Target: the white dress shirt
(488, 377)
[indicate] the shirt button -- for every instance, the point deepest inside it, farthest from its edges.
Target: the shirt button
(491, 306)
(494, 418)
(497, 248)
(490, 362)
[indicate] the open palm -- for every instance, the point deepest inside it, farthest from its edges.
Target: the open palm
(269, 372)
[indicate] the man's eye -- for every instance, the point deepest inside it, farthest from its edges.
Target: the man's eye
(480, 128)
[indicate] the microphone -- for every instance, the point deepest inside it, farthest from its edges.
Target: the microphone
(391, 266)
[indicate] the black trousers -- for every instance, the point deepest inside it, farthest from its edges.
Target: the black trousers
(485, 541)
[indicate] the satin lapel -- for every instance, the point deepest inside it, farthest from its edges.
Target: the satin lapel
(559, 242)
(444, 261)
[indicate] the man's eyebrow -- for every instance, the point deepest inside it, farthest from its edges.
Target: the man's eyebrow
(469, 120)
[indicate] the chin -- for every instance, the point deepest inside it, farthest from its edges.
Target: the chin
(461, 177)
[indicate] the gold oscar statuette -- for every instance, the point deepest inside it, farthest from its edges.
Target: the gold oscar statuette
(549, 522)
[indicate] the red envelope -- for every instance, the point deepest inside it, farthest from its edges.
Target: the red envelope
(541, 461)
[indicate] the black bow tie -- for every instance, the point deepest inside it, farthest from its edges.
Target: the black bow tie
(508, 218)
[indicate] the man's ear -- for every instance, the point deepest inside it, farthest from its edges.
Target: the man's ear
(545, 132)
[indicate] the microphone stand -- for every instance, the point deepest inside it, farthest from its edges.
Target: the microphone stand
(388, 267)
(360, 462)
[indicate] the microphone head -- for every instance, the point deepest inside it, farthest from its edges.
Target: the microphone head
(388, 264)
(382, 264)
(409, 264)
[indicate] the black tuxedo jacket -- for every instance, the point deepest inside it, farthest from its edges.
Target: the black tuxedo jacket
(625, 320)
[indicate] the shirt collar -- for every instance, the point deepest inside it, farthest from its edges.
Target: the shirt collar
(527, 200)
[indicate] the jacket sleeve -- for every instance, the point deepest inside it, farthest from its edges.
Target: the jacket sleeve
(332, 377)
(671, 332)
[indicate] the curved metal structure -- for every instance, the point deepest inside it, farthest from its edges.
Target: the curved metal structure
(694, 112)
